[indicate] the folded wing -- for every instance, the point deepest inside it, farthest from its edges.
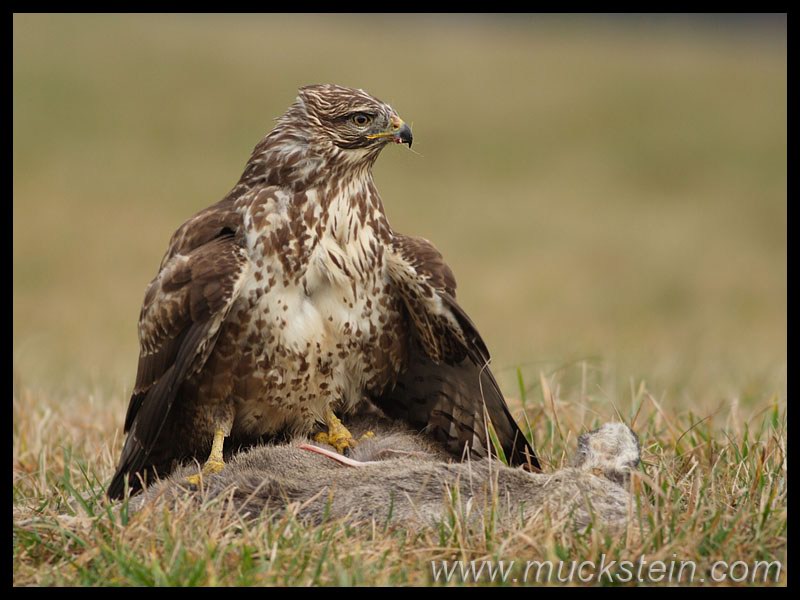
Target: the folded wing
(447, 388)
(179, 323)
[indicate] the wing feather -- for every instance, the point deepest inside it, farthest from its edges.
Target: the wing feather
(183, 309)
(447, 387)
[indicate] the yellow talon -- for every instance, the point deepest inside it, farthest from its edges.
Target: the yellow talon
(214, 464)
(337, 435)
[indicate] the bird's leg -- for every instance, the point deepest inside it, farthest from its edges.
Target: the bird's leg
(214, 463)
(337, 435)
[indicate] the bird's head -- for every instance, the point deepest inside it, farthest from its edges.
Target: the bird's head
(329, 130)
(351, 119)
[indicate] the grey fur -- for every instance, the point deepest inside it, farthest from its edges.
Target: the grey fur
(411, 481)
(612, 450)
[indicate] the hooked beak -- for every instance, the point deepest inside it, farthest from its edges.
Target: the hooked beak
(398, 131)
(403, 135)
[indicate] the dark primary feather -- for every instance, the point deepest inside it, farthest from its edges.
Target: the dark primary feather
(179, 322)
(447, 388)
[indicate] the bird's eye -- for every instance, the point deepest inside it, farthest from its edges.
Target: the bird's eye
(361, 119)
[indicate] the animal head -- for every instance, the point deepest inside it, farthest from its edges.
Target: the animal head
(351, 119)
(611, 450)
(328, 134)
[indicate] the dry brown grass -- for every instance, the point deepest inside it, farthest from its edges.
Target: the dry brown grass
(703, 493)
(610, 194)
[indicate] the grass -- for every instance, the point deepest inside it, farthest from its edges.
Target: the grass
(611, 194)
(704, 493)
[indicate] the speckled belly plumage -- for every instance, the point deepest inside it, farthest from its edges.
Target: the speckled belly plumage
(320, 327)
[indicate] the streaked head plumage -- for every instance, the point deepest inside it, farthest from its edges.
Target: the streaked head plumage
(351, 118)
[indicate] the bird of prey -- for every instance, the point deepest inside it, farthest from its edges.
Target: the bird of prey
(292, 299)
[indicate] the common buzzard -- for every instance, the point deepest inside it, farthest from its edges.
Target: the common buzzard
(292, 299)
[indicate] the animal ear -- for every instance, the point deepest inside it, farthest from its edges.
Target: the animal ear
(582, 453)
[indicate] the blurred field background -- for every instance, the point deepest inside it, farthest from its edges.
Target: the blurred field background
(603, 188)
(609, 191)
